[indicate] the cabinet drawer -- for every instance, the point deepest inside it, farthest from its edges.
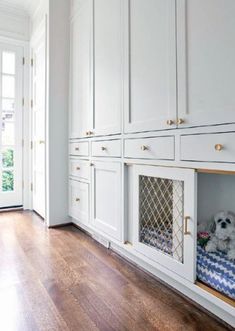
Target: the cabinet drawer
(79, 168)
(151, 148)
(107, 148)
(79, 148)
(216, 147)
(79, 201)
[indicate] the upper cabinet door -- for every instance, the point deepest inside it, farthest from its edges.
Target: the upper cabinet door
(206, 62)
(152, 65)
(108, 63)
(81, 101)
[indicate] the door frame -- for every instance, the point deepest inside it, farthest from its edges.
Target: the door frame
(26, 154)
(36, 36)
(187, 269)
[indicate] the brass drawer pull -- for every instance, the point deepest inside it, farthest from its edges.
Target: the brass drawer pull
(78, 168)
(144, 148)
(186, 219)
(77, 199)
(218, 147)
(169, 122)
(77, 149)
(180, 121)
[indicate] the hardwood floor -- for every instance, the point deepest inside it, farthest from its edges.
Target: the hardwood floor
(60, 279)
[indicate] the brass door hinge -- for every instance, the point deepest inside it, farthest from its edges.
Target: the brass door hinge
(31, 103)
(23, 61)
(23, 102)
(32, 62)
(31, 144)
(31, 187)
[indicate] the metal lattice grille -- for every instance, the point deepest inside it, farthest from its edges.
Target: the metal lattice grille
(161, 215)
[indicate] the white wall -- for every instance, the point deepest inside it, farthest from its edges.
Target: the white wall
(215, 193)
(57, 119)
(14, 23)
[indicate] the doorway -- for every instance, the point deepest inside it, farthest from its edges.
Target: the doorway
(11, 140)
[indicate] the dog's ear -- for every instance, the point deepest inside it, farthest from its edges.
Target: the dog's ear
(212, 227)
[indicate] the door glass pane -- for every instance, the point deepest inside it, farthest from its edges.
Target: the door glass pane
(8, 63)
(161, 210)
(7, 181)
(8, 86)
(8, 104)
(8, 158)
(8, 133)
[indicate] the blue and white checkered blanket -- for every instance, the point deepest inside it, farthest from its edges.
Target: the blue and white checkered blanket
(217, 271)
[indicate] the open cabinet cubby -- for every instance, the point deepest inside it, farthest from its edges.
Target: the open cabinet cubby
(215, 271)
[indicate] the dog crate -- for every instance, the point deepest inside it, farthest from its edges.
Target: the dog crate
(164, 216)
(215, 272)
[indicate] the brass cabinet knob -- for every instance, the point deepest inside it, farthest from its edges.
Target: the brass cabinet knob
(180, 121)
(78, 168)
(90, 133)
(103, 148)
(77, 199)
(144, 148)
(186, 219)
(170, 122)
(91, 164)
(76, 148)
(218, 147)
(87, 133)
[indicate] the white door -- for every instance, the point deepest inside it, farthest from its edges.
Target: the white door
(106, 196)
(108, 66)
(206, 70)
(11, 96)
(164, 217)
(152, 65)
(81, 99)
(39, 123)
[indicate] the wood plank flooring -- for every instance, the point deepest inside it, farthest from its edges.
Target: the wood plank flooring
(60, 279)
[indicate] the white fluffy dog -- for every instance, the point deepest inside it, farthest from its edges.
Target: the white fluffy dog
(223, 234)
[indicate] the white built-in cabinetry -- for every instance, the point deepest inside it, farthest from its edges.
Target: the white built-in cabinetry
(152, 102)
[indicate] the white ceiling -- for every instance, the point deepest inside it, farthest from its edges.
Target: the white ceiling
(28, 6)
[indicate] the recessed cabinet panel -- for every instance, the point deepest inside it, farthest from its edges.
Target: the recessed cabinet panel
(164, 217)
(79, 201)
(106, 193)
(152, 66)
(215, 147)
(79, 169)
(81, 71)
(107, 148)
(108, 80)
(206, 70)
(79, 148)
(158, 148)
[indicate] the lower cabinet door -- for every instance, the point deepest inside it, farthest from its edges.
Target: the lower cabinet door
(79, 201)
(164, 217)
(106, 196)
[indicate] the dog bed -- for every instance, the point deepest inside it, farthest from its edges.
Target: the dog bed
(217, 271)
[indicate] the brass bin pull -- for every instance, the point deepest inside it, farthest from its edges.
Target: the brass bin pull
(186, 219)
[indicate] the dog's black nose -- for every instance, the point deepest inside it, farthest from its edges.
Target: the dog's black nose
(223, 225)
